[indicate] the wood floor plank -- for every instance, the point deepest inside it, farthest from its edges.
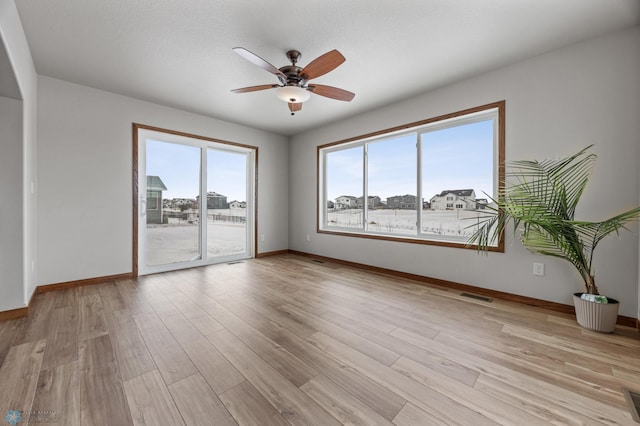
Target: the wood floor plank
(548, 386)
(622, 357)
(92, 319)
(624, 374)
(249, 407)
(446, 409)
(362, 318)
(481, 356)
(179, 326)
(374, 395)
(550, 357)
(219, 373)
(37, 325)
(367, 347)
(492, 408)
(544, 408)
(297, 327)
(9, 329)
(625, 337)
(131, 351)
(89, 290)
(285, 363)
(200, 318)
(102, 399)
(148, 289)
(172, 361)
(19, 376)
(62, 337)
(458, 321)
(410, 415)
(385, 402)
(314, 304)
(198, 404)
(342, 405)
(419, 353)
(150, 402)
(57, 398)
(65, 298)
(291, 402)
(111, 299)
(606, 380)
(133, 299)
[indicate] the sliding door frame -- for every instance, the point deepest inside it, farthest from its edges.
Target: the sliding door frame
(136, 128)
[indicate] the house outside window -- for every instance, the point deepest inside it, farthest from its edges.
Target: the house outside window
(155, 187)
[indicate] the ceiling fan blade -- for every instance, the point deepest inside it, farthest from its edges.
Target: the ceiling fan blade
(257, 60)
(293, 107)
(254, 88)
(331, 92)
(322, 65)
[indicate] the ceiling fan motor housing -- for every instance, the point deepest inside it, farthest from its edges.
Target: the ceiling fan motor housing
(293, 75)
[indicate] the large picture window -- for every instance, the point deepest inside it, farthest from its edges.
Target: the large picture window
(426, 182)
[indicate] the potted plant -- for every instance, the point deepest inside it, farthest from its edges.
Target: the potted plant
(540, 199)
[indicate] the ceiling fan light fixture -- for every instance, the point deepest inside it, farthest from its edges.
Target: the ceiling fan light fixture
(293, 94)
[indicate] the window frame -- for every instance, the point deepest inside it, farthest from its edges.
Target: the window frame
(152, 197)
(461, 117)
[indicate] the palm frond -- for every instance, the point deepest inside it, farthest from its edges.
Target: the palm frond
(541, 198)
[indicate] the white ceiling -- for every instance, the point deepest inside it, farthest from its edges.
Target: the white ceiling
(178, 53)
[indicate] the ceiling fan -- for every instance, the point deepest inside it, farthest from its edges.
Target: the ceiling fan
(294, 87)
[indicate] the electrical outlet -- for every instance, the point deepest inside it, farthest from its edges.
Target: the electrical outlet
(538, 269)
(308, 237)
(261, 237)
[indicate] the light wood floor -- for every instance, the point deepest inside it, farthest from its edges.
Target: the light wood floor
(286, 340)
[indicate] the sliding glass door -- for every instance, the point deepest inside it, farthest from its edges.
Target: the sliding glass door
(226, 203)
(170, 216)
(195, 201)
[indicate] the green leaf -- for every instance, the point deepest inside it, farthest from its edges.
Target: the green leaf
(540, 198)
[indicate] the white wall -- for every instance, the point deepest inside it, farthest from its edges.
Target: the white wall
(17, 49)
(556, 104)
(85, 170)
(11, 282)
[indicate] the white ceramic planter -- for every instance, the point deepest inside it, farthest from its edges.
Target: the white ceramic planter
(594, 316)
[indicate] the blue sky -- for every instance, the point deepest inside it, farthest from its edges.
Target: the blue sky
(179, 168)
(459, 157)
